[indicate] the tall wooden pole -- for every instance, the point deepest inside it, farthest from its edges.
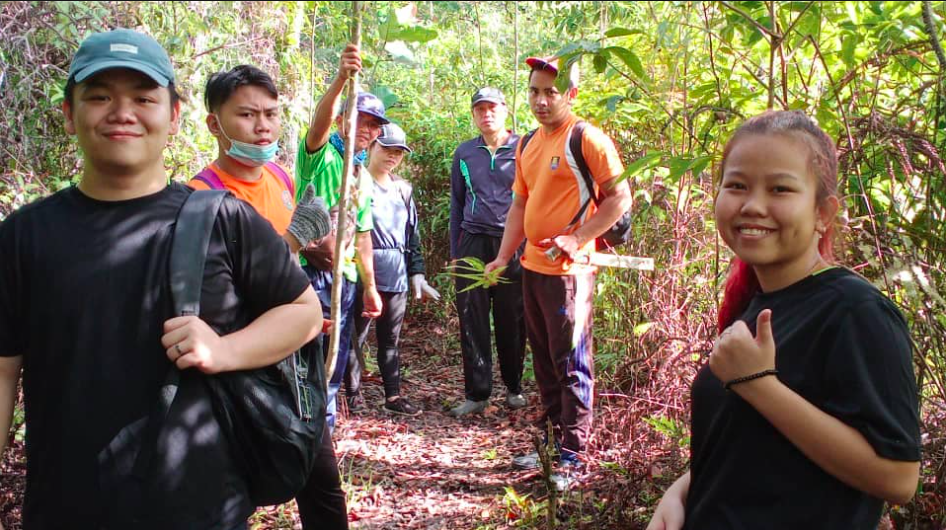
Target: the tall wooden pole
(515, 64)
(348, 181)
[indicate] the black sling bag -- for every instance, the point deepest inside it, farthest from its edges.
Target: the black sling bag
(273, 417)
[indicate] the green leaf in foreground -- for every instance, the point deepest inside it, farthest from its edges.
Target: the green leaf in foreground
(474, 269)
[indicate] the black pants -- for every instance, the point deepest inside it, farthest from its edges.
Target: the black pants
(388, 334)
(559, 315)
(473, 307)
(322, 501)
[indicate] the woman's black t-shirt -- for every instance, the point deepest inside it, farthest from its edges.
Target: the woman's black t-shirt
(845, 348)
(83, 297)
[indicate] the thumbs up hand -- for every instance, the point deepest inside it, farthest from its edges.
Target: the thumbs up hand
(737, 353)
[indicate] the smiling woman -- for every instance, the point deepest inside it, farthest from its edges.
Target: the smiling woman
(768, 210)
(811, 379)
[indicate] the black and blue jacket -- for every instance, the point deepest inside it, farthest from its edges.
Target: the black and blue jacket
(481, 189)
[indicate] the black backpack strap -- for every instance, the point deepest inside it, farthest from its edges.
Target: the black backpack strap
(189, 244)
(524, 141)
(189, 249)
(574, 145)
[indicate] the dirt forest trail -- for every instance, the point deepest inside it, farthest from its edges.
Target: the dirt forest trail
(433, 471)
(430, 471)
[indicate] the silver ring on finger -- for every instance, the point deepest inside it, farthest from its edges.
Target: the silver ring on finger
(177, 348)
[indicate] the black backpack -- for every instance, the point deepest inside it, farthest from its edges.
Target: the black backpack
(273, 417)
(620, 231)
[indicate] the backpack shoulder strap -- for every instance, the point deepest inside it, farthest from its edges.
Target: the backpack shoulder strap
(407, 195)
(209, 177)
(189, 245)
(524, 141)
(189, 242)
(405, 189)
(281, 173)
(574, 144)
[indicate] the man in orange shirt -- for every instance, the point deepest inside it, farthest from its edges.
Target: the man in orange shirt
(243, 114)
(557, 294)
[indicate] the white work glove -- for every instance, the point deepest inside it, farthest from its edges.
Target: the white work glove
(422, 288)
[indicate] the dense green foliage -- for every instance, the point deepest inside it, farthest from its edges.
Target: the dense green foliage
(670, 81)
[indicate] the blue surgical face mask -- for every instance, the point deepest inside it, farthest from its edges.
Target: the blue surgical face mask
(251, 155)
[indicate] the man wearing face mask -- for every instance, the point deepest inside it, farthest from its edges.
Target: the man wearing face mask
(243, 114)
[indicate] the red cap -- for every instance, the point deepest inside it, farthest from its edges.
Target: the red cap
(551, 64)
(543, 63)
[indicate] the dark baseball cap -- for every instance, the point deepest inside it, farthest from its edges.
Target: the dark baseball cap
(489, 94)
(122, 48)
(369, 104)
(392, 135)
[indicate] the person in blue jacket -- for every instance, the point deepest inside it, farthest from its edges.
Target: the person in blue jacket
(481, 194)
(395, 239)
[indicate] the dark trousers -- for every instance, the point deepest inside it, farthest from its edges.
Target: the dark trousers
(473, 308)
(388, 334)
(558, 313)
(322, 501)
(322, 283)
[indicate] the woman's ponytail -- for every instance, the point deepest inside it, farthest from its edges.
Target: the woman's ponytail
(741, 285)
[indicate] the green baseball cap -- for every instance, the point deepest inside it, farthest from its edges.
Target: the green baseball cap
(122, 48)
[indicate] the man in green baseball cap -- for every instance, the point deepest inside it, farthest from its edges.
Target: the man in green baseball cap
(124, 63)
(86, 313)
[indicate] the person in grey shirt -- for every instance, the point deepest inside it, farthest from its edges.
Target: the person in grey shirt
(481, 193)
(398, 261)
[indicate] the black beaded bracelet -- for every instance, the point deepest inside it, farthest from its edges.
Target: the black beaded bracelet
(745, 378)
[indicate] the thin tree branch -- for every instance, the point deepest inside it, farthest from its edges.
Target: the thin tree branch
(857, 169)
(746, 16)
(934, 38)
(797, 19)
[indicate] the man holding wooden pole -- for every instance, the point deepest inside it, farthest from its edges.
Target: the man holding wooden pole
(321, 163)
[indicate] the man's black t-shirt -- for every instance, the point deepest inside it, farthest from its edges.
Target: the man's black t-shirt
(83, 297)
(845, 348)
